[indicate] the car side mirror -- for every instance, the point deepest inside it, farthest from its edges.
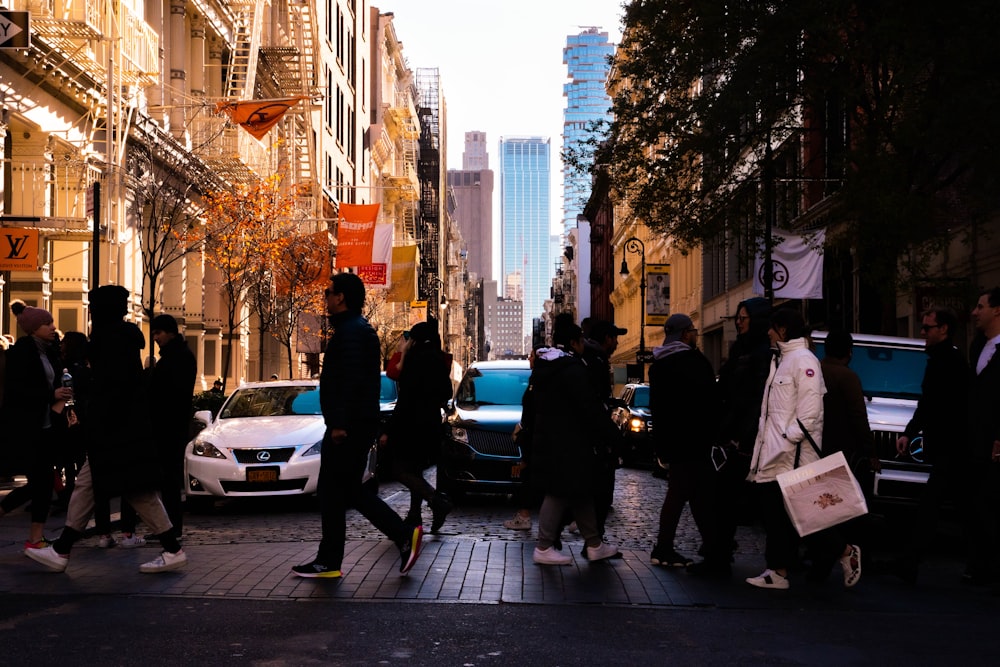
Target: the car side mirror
(203, 416)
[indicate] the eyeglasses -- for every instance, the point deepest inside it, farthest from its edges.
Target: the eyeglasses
(742, 318)
(927, 327)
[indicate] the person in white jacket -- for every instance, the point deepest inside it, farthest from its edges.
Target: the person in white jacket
(792, 405)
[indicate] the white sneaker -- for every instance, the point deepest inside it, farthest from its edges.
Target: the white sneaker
(165, 562)
(550, 556)
(131, 542)
(519, 522)
(601, 552)
(106, 542)
(769, 579)
(48, 557)
(852, 566)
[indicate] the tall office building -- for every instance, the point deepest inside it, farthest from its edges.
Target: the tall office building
(586, 57)
(525, 164)
(472, 186)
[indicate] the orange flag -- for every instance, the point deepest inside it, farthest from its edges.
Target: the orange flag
(355, 234)
(258, 116)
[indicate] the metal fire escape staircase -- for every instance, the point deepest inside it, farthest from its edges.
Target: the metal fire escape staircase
(242, 73)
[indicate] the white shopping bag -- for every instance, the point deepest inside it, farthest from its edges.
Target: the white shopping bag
(822, 494)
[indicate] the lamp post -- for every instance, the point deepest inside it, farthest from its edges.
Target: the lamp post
(634, 245)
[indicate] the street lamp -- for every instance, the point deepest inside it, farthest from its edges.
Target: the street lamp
(634, 245)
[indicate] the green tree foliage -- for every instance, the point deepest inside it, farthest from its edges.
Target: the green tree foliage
(892, 96)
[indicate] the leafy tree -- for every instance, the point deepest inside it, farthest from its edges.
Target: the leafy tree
(717, 102)
(241, 244)
(301, 276)
(387, 322)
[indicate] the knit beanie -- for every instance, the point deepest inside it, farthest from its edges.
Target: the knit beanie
(30, 318)
(675, 327)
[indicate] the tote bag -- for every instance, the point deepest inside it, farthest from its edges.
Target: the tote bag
(821, 494)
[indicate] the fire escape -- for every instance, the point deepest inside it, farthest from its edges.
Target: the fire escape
(429, 172)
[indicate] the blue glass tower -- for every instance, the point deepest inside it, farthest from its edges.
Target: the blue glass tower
(525, 164)
(586, 57)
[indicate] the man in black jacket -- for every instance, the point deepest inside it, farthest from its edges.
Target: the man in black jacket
(171, 387)
(985, 440)
(349, 397)
(683, 396)
(940, 418)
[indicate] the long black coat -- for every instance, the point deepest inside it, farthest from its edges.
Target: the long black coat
(570, 428)
(28, 398)
(941, 410)
(121, 455)
(171, 386)
(424, 387)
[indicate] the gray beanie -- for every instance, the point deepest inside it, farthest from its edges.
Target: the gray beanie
(675, 327)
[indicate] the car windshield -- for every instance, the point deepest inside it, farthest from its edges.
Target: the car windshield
(493, 386)
(387, 392)
(887, 372)
(640, 398)
(280, 401)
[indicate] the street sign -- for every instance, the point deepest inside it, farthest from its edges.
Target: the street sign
(14, 32)
(644, 357)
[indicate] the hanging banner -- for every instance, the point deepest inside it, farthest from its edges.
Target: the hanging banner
(404, 274)
(18, 249)
(258, 116)
(797, 266)
(307, 264)
(355, 234)
(657, 294)
(377, 274)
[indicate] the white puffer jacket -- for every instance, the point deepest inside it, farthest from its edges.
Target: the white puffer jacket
(794, 391)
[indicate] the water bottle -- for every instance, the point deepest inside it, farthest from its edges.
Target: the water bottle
(67, 382)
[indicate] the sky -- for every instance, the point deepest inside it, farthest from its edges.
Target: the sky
(501, 66)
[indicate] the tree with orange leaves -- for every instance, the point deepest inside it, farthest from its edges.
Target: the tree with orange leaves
(301, 277)
(244, 241)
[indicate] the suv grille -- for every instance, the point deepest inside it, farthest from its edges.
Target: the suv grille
(885, 444)
(493, 443)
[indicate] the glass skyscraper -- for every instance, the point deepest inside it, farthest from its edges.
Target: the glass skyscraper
(525, 164)
(586, 57)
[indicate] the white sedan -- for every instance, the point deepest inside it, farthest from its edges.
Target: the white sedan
(266, 441)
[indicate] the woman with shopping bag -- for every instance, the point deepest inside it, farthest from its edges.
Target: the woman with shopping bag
(789, 435)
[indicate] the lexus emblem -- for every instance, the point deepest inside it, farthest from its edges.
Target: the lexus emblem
(263, 456)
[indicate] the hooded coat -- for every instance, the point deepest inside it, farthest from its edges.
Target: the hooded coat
(793, 395)
(683, 399)
(570, 426)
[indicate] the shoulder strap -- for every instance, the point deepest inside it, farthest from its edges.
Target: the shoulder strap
(798, 445)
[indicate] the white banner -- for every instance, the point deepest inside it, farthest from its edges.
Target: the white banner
(797, 266)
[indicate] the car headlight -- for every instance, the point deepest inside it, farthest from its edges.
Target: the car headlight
(315, 450)
(459, 434)
(637, 425)
(206, 449)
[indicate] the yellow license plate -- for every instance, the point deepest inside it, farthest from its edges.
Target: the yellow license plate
(262, 475)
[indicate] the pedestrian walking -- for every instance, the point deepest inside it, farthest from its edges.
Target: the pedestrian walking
(684, 399)
(118, 463)
(171, 386)
(941, 420)
(741, 388)
(985, 443)
(413, 436)
(33, 416)
(569, 430)
(349, 397)
(597, 351)
(792, 406)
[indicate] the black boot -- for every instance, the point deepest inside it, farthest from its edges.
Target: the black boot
(441, 505)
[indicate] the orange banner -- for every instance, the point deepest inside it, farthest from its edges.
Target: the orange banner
(258, 116)
(355, 234)
(18, 249)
